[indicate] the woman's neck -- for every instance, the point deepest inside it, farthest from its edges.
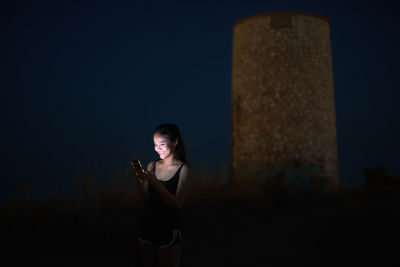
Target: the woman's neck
(170, 161)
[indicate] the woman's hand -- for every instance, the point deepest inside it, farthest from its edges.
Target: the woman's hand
(138, 176)
(149, 177)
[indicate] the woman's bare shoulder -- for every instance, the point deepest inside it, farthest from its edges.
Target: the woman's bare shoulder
(186, 170)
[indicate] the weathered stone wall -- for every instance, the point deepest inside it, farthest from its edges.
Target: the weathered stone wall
(283, 115)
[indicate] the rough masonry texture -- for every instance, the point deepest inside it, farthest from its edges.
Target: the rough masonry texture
(283, 113)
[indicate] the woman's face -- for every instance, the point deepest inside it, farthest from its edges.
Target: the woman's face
(163, 146)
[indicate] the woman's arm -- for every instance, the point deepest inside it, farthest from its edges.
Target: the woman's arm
(142, 185)
(174, 201)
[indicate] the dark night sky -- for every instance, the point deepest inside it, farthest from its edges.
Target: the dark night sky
(86, 83)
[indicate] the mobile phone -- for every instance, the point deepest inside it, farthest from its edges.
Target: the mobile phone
(137, 166)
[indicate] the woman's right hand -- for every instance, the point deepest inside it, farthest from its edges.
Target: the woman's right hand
(138, 176)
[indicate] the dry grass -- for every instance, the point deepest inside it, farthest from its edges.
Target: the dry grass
(99, 219)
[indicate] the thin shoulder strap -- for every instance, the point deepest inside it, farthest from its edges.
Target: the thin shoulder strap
(179, 170)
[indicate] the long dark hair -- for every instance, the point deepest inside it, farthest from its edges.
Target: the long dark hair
(172, 133)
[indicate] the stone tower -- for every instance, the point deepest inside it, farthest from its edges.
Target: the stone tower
(283, 113)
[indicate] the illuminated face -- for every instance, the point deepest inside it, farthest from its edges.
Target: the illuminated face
(163, 146)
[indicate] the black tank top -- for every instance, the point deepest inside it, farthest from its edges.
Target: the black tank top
(157, 212)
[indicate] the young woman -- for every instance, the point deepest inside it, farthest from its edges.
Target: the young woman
(165, 184)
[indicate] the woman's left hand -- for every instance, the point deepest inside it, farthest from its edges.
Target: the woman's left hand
(149, 177)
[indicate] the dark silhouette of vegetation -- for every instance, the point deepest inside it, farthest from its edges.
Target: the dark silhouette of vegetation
(97, 222)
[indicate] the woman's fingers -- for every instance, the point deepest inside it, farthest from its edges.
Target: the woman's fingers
(138, 175)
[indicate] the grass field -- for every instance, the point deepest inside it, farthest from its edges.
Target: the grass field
(222, 226)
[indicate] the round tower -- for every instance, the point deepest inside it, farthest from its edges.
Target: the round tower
(283, 113)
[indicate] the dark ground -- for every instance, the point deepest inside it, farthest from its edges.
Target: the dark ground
(355, 226)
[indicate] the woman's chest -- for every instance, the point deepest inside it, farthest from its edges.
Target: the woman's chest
(165, 174)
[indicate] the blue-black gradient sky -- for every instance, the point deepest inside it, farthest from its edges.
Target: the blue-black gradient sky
(85, 82)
